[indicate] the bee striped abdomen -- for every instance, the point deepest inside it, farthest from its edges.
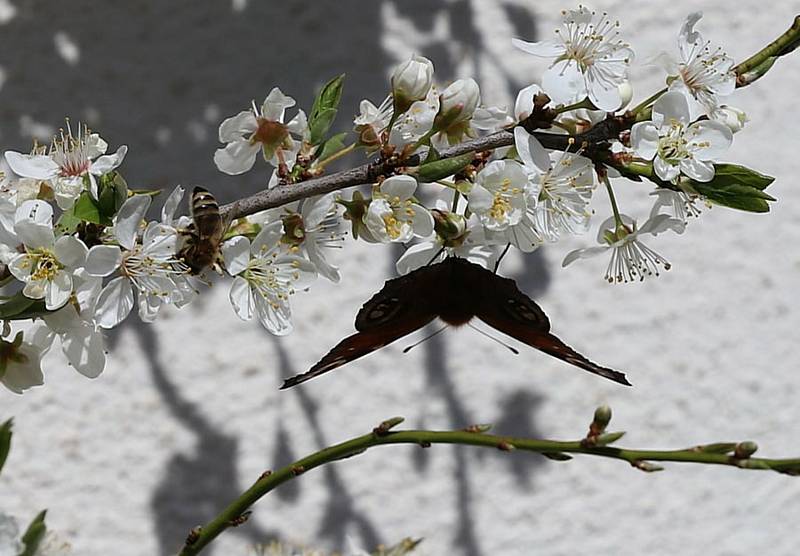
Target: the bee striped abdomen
(202, 246)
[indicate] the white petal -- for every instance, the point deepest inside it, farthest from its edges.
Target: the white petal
(33, 223)
(171, 205)
(585, 253)
(275, 105)
(85, 350)
(234, 128)
(70, 251)
(543, 49)
(401, 187)
(708, 140)
(531, 151)
(296, 271)
(316, 209)
(115, 303)
(20, 376)
(480, 199)
(236, 254)
(604, 98)
(564, 82)
(644, 139)
(106, 163)
(422, 221)
(417, 256)
(159, 241)
(665, 171)
(37, 166)
(242, 298)
(102, 260)
(698, 170)
(237, 157)
(149, 305)
(524, 105)
(299, 125)
(57, 291)
(267, 238)
(317, 257)
(276, 318)
(128, 218)
(670, 106)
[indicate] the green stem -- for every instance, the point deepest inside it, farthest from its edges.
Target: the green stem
(456, 196)
(585, 103)
(613, 199)
(337, 155)
(714, 454)
(784, 44)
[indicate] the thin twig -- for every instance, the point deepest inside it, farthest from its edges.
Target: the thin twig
(730, 454)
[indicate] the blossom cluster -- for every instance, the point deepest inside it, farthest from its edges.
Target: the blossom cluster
(79, 252)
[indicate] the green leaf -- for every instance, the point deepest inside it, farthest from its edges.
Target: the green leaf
(5, 441)
(19, 307)
(440, 169)
(331, 146)
(737, 187)
(730, 174)
(740, 197)
(324, 109)
(113, 192)
(34, 534)
(87, 209)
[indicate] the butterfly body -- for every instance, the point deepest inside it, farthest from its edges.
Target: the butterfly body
(456, 291)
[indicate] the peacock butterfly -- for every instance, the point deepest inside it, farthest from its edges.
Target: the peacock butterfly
(456, 291)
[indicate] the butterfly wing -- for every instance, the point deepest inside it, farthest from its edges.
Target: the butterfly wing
(505, 308)
(397, 310)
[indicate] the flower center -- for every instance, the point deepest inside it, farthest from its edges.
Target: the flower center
(500, 207)
(394, 227)
(672, 147)
(45, 265)
(271, 133)
(71, 154)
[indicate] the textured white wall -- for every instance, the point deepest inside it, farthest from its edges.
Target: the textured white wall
(188, 413)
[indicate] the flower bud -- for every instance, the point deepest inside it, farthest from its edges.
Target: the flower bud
(449, 226)
(731, 117)
(625, 93)
(457, 103)
(411, 82)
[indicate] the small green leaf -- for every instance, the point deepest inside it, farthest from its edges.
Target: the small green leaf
(324, 109)
(440, 169)
(731, 174)
(717, 448)
(68, 222)
(87, 209)
(34, 534)
(5, 441)
(333, 145)
(19, 307)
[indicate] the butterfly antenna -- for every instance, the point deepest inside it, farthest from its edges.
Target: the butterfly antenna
(425, 339)
(501, 342)
(500, 258)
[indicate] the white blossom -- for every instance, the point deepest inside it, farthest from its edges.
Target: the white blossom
(261, 129)
(590, 60)
(372, 121)
(704, 72)
(411, 82)
(265, 277)
(69, 160)
(630, 258)
(149, 267)
(47, 265)
(498, 196)
(677, 147)
(21, 363)
(321, 231)
(393, 215)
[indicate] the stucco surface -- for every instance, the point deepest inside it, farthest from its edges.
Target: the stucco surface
(188, 412)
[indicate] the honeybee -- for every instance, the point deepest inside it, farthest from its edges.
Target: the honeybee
(201, 247)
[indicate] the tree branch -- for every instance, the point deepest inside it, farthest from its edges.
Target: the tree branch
(594, 444)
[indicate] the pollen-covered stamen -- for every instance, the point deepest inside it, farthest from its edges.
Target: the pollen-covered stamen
(328, 233)
(634, 261)
(593, 41)
(148, 273)
(705, 68)
(673, 146)
(273, 281)
(71, 152)
(44, 265)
